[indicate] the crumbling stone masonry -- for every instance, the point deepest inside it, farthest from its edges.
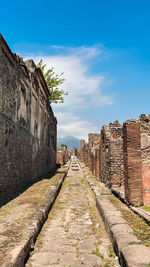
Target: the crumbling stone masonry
(27, 123)
(89, 153)
(121, 157)
(82, 150)
(74, 152)
(136, 136)
(111, 155)
(93, 139)
(97, 161)
(62, 155)
(132, 162)
(145, 153)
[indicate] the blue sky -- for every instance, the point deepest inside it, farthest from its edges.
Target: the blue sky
(103, 47)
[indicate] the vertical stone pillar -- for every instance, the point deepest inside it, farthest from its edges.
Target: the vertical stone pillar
(90, 160)
(132, 162)
(82, 149)
(97, 163)
(93, 164)
(145, 148)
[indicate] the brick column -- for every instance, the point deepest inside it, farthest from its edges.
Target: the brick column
(93, 164)
(97, 163)
(82, 149)
(90, 160)
(132, 162)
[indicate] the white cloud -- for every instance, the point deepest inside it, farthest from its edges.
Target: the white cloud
(84, 88)
(70, 124)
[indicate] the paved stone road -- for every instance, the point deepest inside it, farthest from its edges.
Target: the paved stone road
(74, 233)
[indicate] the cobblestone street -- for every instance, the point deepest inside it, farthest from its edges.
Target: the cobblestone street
(74, 234)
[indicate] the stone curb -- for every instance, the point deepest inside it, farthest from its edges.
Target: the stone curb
(139, 211)
(130, 251)
(20, 254)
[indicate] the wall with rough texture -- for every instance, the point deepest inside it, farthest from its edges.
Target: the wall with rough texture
(89, 153)
(74, 151)
(145, 153)
(111, 155)
(27, 123)
(82, 150)
(62, 155)
(93, 146)
(93, 139)
(121, 156)
(132, 162)
(97, 162)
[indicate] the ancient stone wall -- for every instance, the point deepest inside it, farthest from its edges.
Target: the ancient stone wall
(62, 155)
(145, 153)
(97, 161)
(93, 139)
(122, 157)
(27, 123)
(93, 161)
(74, 152)
(82, 150)
(94, 144)
(132, 162)
(111, 154)
(89, 153)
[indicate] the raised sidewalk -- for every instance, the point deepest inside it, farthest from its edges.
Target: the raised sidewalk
(131, 251)
(22, 218)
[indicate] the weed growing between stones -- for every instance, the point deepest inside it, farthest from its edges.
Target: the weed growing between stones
(146, 208)
(96, 182)
(111, 252)
(97, 253)
(56, 262)
(97, 227)
(140, 227)
(83, 180)
(66, 227)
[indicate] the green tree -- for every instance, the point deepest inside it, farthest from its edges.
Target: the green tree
(53, 82)
(63, 145)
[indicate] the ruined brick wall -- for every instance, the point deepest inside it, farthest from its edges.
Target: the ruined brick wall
(82, 150)
(145, 153)
(78, 152)
(97, 161)
(93, 139)
(62, 155)
(74, 152)
(27, 123)
(86, 154)
(132, 162)
(111, 155)
(92, 158)
(104, 154)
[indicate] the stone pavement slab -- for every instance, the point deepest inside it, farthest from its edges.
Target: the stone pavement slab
(130, 250)
(22, 218)
(74, 234)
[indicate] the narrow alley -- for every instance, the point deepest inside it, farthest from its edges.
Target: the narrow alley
(74, 234)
